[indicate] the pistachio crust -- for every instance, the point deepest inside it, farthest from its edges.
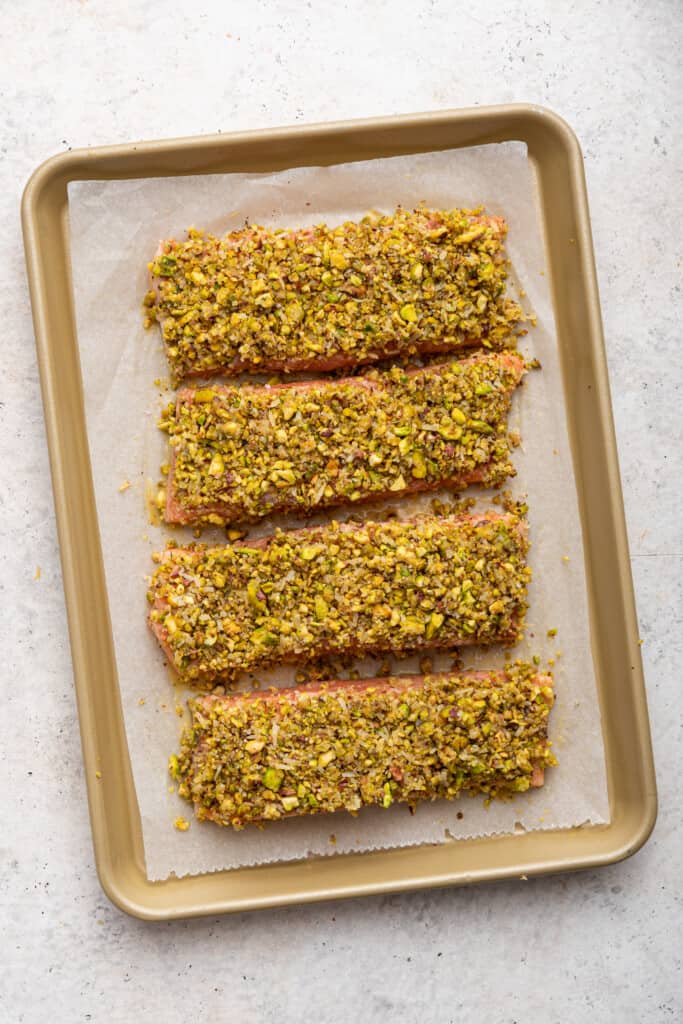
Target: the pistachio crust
(320, 298)
(260, 757)
(391, 586)
(240, 453)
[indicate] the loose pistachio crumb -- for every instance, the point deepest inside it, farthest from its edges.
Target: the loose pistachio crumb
(182, 824)
(124, 486)
(264, 299)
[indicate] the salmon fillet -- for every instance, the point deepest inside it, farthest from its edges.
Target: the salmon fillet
(320, 298)
(345, 745)
(340, 589)
(240, 453)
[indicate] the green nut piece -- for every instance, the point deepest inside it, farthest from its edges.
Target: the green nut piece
(272, 779)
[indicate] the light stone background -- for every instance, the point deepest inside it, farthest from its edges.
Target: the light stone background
(598, 946)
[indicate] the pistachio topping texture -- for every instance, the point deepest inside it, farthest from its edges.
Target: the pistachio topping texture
(239, 453)
(340, 745)
(335, 589)
(320, 297)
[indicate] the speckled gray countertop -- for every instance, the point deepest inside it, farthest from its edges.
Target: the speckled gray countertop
(598, 946)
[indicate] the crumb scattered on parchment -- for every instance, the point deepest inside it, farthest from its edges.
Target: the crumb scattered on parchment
(182, 824)
(38, 573)
(333, 839)
(179, 710)
(565, 558)
(155, 500)
(124, 486)
(98, 775)
(141, 701)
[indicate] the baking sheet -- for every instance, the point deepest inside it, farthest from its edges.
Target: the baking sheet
(115, 227)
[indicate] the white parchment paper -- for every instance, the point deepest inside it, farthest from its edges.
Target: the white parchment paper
(115, 228)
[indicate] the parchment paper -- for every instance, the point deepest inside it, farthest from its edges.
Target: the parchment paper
(115, 227)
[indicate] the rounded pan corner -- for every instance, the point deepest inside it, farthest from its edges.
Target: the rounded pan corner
(57, 167)
(548, 120)
(125, 895)
(637, 833)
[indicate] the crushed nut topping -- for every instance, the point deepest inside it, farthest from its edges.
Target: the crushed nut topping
(244, 452)
(255, 758)
(372, 587)
(320, 297)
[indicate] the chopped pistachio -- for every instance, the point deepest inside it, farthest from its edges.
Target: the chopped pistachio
(254, 746)
(253, 597)
(419, 469)
(272, 778)
(435, 623)
(338, 260)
